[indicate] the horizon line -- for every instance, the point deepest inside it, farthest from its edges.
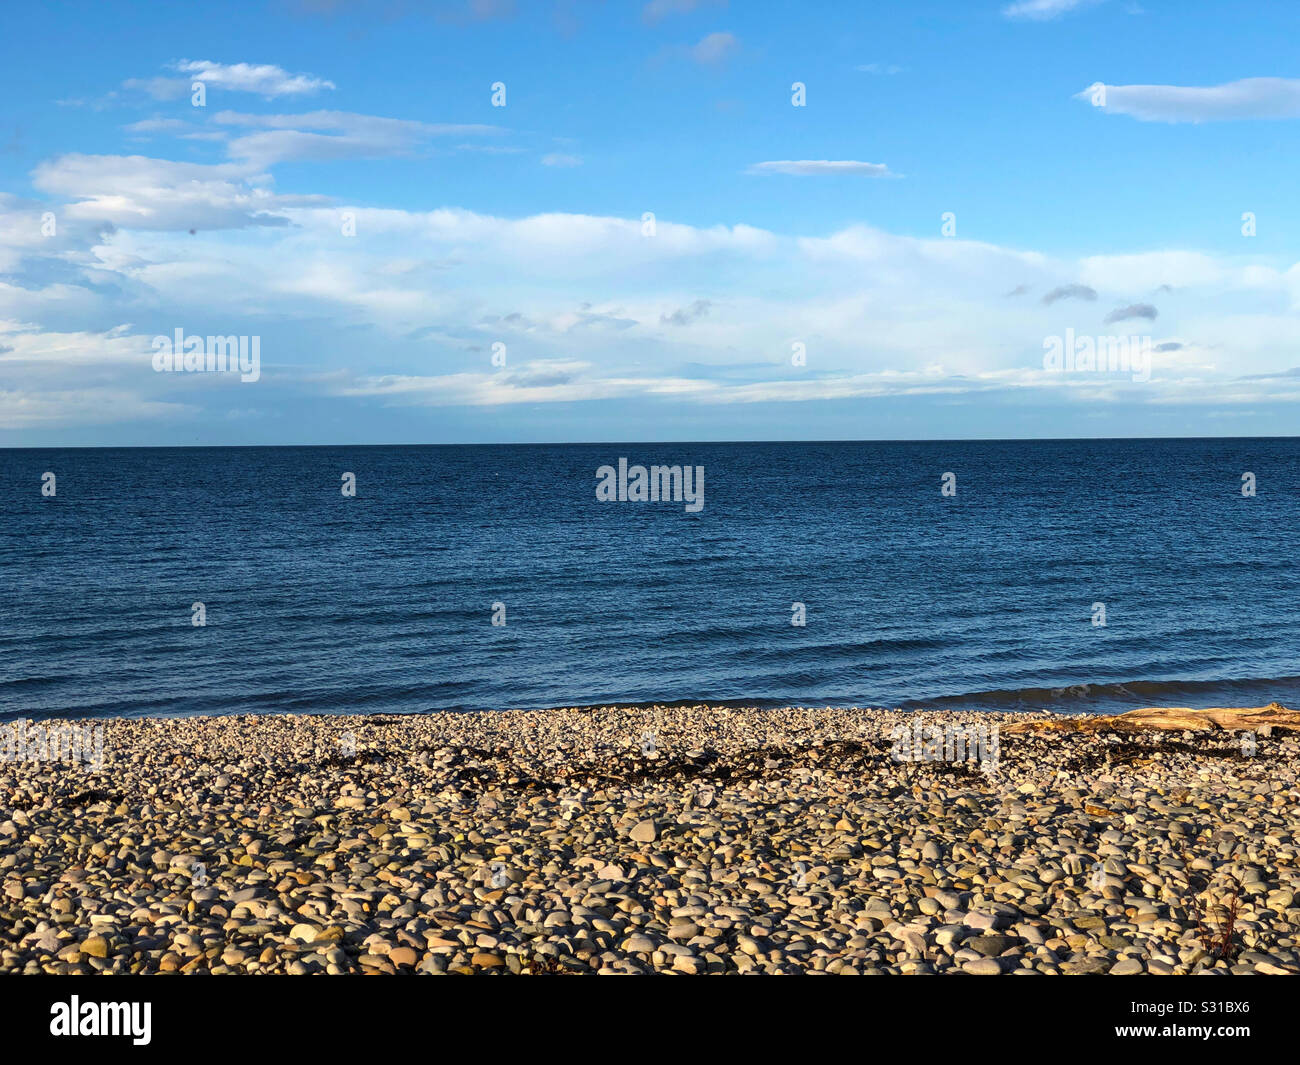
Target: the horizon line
(645, 443)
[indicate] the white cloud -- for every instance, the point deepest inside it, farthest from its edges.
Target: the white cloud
(715, 49)
(1245, 99)
(592, 307)
(262, 79)
(145, 193)
(158, 125)
(173, 127)
(1144, 271)
(1044, 10)
(77, 378)
(25, 236)
(809, 167)
(555, 382)
(22, 342)
(324, 135)
(82, 406)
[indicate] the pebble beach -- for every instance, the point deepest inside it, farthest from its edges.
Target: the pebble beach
(683, 840)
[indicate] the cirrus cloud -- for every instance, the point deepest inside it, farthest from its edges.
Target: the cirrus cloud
(818, 167)
(1249, 98)
(1044, 10)
(262, 79)
(715, 49)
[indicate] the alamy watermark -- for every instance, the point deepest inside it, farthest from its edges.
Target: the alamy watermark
(195, 354)
(60, 742)
(656, 484)
(77, 1018)
(946, 743)
(1103, 354)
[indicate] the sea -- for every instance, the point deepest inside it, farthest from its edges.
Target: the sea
(1077, 575)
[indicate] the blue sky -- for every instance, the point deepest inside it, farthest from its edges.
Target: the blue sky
(822, 226)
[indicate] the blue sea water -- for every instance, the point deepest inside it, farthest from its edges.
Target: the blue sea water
(317, 602)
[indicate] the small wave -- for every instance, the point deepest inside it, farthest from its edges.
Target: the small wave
(1127, 695)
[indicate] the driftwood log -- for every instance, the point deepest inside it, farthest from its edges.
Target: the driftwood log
(1170, 719)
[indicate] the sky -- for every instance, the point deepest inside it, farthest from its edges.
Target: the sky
(468, 221)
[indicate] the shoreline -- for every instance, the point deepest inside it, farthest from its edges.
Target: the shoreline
(687, 839)
(1085, 698)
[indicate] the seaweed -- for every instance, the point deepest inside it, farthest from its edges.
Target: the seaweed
(1218, 935)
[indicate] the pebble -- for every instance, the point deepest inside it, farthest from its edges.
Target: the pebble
(645, 831)
(990, 946)
(766, 841)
